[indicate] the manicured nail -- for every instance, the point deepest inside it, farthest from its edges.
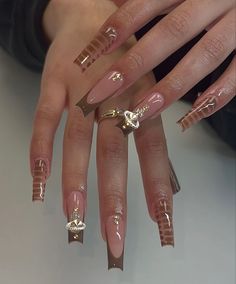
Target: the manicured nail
(106, 87)
(75, 217)
(163, 215)
(199, 111)
(97, 47)
(174, 180)
(143, 111)
(115, 234)
(40, 174)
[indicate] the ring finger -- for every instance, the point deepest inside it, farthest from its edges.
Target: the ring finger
(112, 162)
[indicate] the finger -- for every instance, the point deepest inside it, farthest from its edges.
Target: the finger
(112, 155)
(213, 99)
(48, 113)
(204, 57)
(76, 153)
(174, 30)
(120, 26)
(154, 162)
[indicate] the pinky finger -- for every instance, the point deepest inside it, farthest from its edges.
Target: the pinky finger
(213, 99)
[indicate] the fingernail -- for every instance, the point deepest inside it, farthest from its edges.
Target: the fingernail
(107, 86)
(163, 215)
(174, 180)
(97, 47)
(115, 234)
(144, 110)
(199, 111)
(75, 217)
(40, 174)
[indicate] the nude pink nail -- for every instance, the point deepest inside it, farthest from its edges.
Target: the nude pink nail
(105, 87)
(75, 207)
(115, 232)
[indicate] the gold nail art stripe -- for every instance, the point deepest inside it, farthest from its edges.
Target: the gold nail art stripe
(202, 110)
(40, 173)
(100, 44)
(163, 215)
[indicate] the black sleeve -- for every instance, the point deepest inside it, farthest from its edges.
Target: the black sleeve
(21, 33)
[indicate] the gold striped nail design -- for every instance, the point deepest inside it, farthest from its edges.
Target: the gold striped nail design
(40, 174)
(97, 47)
(202, 110)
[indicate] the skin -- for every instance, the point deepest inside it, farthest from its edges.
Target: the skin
(185, 20)
(69, 28)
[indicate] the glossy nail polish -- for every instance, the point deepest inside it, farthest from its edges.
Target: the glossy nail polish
(105, 88)
(174, 180)
(201, 110)
(163, 215)
(40, 174)
(75, 216)
(146, 109)
(98, 46)
(115, 234)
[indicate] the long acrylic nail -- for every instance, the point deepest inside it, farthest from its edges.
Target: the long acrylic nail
(40, 174)
(106, 87)
(97, 47)
(201, 110)
(163, 215)
(144, 110)
(75, 216)
(174, 180)
(115, 234)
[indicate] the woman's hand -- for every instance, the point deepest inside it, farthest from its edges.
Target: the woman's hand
(186, 20)
(70, 25)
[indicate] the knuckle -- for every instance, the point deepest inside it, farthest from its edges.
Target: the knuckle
(177, 25)
(135, 61)
(160, 187)
(114, 200)
(113, 149)
(46, 113)
(213, 49)
(124, 18)
(174, 83)
(40, 145)
(72, 178)
(155, 147)
(78, 129)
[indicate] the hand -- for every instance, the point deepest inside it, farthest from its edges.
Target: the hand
(69, 26)
(185, 21)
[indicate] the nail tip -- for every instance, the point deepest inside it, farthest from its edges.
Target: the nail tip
(75, 238)
(114, 262)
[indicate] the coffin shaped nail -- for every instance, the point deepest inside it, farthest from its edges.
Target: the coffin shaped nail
(40, 174)
(75, 217)
(146, 109)
(163, 215)
(174, 180)
(97, 47)
(202, 110)
(115, 237)
(104, 88)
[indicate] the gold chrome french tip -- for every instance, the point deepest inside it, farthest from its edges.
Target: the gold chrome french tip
(173, 179)
(114, 262)
(75, 227)
(76, 237)
(85, 106)
(202, 110)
